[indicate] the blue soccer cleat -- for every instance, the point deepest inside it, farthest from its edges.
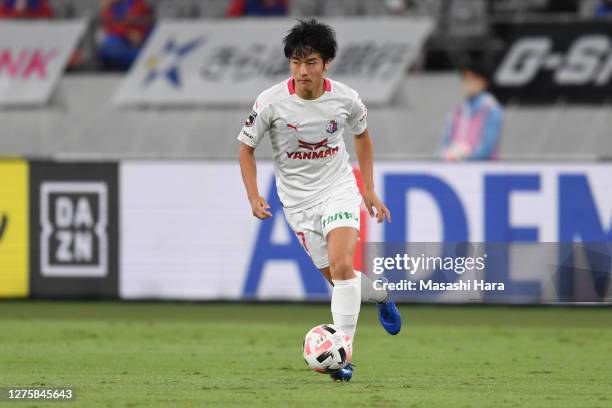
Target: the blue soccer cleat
(343, 374)
(388, 316)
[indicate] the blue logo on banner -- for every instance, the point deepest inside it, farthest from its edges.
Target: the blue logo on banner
(578, 220)
(498, 229)
(175, 54)
(454, 220)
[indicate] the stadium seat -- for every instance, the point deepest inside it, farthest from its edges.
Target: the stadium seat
(212, 8)
(300, 8)
(177, 9)
(344, 8)
(192, 8)
(587, 7)
(75, 8)
(467, 18)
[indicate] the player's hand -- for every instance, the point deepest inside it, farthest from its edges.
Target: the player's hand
(373, 203)
(260, 208)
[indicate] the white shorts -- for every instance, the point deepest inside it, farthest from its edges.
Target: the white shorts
(339, 209)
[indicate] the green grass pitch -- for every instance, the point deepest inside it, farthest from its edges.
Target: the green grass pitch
(194, 355)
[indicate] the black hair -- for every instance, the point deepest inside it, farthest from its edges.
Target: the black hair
(481, 70)
(477, 64)
(308, 36)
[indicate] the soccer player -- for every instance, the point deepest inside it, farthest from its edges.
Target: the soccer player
(306, 118)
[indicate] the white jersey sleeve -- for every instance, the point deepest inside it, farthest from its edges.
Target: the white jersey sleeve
(357, 119)
(256, 125)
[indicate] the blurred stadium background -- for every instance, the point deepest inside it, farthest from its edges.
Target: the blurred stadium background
(119, 181)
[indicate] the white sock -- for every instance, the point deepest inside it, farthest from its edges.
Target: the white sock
(345, 304)
(368, 292)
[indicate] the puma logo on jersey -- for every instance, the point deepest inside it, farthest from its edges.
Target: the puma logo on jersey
(294, 127)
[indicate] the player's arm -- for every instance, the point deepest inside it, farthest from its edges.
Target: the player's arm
(364, 151)
(248, 168)
(255, 127)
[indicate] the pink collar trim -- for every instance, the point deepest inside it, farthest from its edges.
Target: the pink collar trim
(291, 85)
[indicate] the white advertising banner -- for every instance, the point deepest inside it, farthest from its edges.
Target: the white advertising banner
(33, 55)
(230, 62)
(187, 231)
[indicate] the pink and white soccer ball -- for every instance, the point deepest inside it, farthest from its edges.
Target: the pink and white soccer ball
(327, 348)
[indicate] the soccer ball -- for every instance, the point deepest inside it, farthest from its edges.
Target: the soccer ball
(327, 348)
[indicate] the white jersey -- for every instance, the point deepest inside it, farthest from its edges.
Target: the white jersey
(310, 157)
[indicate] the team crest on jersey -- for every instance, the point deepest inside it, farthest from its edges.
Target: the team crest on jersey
(251, 119)
(332, 126)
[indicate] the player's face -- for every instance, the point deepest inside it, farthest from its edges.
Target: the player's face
(308, 72)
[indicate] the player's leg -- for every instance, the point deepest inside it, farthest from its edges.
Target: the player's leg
(340, 225)
(388, 314)
(327, 274)
(306, 226)
(351, 287)
(346, 294)
(369, 293)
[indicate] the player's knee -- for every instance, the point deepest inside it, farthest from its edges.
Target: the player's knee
(341, 268)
